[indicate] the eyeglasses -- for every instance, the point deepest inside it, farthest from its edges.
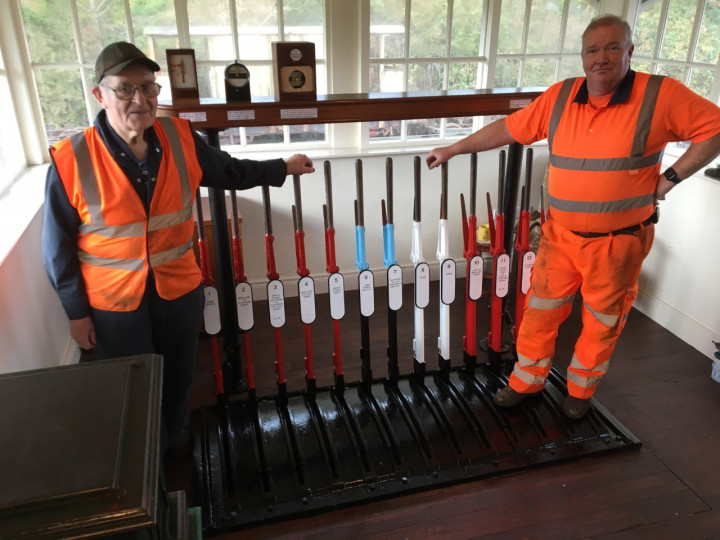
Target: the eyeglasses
(126, 91)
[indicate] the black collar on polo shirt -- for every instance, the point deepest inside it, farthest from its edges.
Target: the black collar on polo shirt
(621, 95)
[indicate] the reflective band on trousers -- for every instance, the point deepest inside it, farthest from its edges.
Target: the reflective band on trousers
(528, 378)
(524, 361)
(605, 318)
(549, 303)
(600, 368)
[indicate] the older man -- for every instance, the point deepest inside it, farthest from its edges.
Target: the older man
(606, 133)
(117, 238)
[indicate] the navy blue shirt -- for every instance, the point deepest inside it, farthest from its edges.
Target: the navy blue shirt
(62, 222)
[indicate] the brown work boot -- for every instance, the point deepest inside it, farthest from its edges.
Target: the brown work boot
(507, 397)
(575, 408)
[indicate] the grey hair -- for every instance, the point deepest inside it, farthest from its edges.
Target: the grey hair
(610, 20)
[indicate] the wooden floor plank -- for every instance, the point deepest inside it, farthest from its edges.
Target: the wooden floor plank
(701, 526)
(498, 502)
(618, 518)
(559, 502)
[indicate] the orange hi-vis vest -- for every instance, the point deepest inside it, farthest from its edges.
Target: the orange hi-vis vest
(118, 242)
(602, 176)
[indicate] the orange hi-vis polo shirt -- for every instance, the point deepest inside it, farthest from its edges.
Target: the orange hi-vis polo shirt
(605, 158)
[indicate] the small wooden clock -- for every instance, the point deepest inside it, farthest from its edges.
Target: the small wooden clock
(294, 75)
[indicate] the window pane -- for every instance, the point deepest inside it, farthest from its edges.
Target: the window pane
(467, 38)
(385, 130)
(155, 28)
(257, 29)
(676, 72)
(12, 156)
(101, 23)
(261, 81)
(308, 133)
(62, 102)
(425, 76)
(210, 31)
(645, 67)
(386, 78)
(507, 73)
(229, 137)
(49, 31)
(701, 81)
(708, 48)
(539, 72)
(211, 81)
(428, 28)
(421, 129)
(462, 76)
(678, 28)
(264, 135)
(305, 21)
(321, 78)
(570, 66)
(459, 127)
(646, 29)
(579, 16)
(544, 29)
(387, 28)
(510, 34)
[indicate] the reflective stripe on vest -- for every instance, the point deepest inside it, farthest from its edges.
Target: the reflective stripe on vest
(636, 159)
(89, 185)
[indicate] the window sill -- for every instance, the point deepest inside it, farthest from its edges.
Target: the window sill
(19, 205)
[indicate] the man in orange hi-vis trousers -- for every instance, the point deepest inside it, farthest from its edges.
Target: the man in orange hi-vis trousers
(606, 134)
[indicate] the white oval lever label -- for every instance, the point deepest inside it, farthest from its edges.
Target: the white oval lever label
(306, 292)
(336, 290)
(447, 281)
(276, 303)
(422, 285)
(475, 278)
(366, 285)
(244, 302)
(394, 284)
(502, 275)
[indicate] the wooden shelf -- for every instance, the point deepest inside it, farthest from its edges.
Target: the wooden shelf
(335, 108)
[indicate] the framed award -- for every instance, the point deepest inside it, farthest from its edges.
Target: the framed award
(182, 72)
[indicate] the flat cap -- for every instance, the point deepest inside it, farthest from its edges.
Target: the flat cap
(119, 55)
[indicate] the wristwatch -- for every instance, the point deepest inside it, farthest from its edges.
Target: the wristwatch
(671, 175)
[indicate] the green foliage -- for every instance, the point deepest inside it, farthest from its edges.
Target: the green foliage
(66, 109)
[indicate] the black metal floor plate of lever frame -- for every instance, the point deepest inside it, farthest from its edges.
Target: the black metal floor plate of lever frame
(265, 460)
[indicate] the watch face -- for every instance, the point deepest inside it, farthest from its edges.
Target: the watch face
(297, 79)
(237, 75)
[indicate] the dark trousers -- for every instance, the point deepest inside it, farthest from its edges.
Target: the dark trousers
(167, 327)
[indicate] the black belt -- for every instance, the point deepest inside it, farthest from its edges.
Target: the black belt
(627, 230)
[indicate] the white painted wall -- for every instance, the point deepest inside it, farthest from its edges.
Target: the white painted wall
(34, 332)
(680, 284)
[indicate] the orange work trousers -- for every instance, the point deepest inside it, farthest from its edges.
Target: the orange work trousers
(606, 270)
